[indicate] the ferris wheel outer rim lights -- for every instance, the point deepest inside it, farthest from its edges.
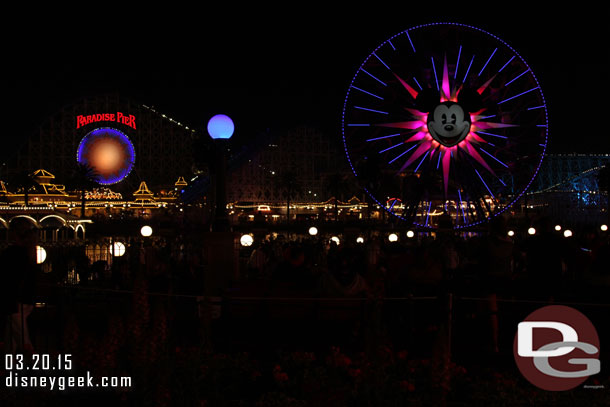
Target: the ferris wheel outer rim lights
(539, 88)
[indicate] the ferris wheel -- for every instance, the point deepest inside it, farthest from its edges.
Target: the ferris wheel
(444, 118)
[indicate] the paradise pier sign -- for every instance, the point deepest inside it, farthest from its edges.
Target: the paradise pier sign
(128, 120)
(106, 146)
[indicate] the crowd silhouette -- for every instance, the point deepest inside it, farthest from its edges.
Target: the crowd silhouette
(490, 266)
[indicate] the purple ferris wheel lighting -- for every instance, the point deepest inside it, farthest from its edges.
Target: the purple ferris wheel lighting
(468, 70)
(487, 63)
(380, 60)
(506, 64)
(457, 63)
(417, 83)
(367, 92)
(374, 77)
(370, 110)
(501, 143)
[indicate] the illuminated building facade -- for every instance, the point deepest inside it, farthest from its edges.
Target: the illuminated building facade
(306, 154)
(161, 147)
(565, 187)
(568, 188)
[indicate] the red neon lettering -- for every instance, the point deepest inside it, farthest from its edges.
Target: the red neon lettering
(108, 117)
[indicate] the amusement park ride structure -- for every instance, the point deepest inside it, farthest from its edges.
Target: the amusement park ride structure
(400, 158)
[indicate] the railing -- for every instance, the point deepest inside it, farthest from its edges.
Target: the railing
(237, 322)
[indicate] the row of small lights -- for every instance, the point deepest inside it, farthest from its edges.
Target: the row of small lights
(247, 239)
(392, 237)
(566, 233)
(118, 248)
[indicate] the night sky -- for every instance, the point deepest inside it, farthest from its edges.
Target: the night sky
(278, 69)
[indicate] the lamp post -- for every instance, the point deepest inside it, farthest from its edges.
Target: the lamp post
(220, 243)
(220, 128)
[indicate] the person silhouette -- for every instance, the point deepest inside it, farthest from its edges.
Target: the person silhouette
(18, 281)
(497, 268)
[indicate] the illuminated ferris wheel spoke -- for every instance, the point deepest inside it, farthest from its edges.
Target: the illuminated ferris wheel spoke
(506, 64)
(401, 154)
(367, 92)
(420, 135)
(421, 149)
(409, 89)
(392, 45)
(500, 162)
(374, 77)
(504, 165)
(357, 125)
(446, 95)
(389, 148)
(370, 110)
(486, 85)
(520, 94)
(383, 63)
(409, 125)
(457, 64)
(384, 137)
(492, 125)
(474, 154)
(461, 204)
(515, 78)
(428, 213)
(484, 183)
(468, 70)
(536, 107)
(446, 169)
(422, 161)
(490, 134)
(417, 83)
(486, 63)
(411, 42)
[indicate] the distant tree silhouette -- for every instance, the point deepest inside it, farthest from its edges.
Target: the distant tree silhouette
(288, 186)
(369, 171)
(25, 182)
(84, 177)
(337, 185)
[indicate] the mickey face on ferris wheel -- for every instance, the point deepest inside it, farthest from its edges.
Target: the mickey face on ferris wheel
(448, 122)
